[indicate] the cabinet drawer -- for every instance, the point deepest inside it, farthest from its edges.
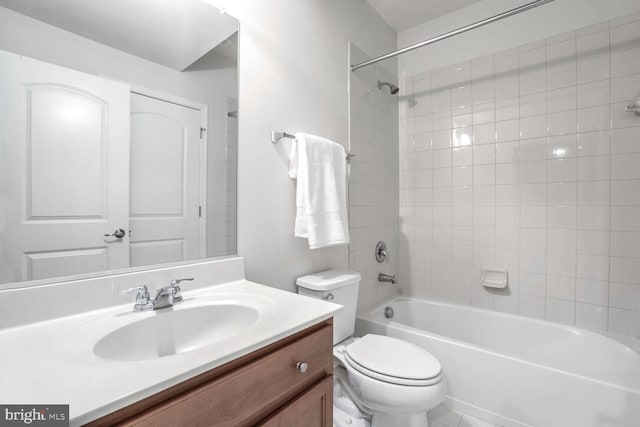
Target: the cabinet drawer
(314, 406)
(247, 395)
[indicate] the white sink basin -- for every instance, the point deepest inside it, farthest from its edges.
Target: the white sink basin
(176, 330)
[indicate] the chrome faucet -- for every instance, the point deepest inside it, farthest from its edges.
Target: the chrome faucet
(166, 296)
(386, 278)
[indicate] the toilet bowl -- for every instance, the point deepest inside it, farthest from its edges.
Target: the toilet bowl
(379, 381)
(394, 381)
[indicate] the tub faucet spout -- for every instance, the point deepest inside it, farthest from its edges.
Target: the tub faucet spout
(386, 278)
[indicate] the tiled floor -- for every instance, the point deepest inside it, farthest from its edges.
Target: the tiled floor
(443, 416)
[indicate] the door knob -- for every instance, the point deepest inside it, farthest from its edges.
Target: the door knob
(119, 233)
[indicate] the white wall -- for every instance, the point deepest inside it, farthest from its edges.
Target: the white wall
(293, 77)
(26, 36)
(545, 21)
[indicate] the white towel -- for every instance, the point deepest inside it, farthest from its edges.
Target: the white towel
(320, 167)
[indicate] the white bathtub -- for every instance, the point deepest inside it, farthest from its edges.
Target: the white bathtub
(517, 371)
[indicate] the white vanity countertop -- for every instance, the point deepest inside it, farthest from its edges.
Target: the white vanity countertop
(53, 362)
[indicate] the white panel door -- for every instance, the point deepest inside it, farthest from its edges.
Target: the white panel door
(64, 171)
(165, 182)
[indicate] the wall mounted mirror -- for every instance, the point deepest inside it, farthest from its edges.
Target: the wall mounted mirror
(118, 136)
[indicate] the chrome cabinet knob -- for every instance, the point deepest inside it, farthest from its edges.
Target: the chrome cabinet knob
(302, 367)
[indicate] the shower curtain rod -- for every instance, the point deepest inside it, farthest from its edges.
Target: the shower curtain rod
(495, 18)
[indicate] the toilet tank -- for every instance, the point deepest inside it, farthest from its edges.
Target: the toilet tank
(340, 287)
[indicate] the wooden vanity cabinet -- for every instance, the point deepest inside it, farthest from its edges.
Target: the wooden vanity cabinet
(263, 388)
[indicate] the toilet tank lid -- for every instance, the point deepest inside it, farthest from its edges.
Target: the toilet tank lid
(327, 280)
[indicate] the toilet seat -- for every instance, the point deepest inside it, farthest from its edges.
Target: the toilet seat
(393, 361)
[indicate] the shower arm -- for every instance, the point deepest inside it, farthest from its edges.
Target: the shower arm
(478, 24)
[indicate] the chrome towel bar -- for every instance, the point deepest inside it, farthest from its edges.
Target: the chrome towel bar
(277, 136)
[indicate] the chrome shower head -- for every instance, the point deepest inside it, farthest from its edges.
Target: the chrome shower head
(392, 88)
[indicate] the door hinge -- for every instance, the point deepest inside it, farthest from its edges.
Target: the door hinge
(200, 211)
(202, 131)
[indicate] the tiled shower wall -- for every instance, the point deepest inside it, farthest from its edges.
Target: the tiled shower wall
(526, 160)
(373, 178)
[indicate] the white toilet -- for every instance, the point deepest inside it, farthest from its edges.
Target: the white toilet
(379, 381)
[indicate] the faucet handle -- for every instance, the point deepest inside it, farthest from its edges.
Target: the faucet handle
(143, 299)
(141, 289)
(175, 282)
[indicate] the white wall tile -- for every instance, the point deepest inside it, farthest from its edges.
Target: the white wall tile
(533, 75)
(592, 217)
(526, 160)
(508, 130)
(508, 152)
(625, 62)
(561, 64)
(462, 175)
(623, 87)
(593, 242)
(596, 168)
(625, 140)
(484, 175)
(624, 321)
(563, 99)
(534, 149)
(507, 83)
(594, 118)
(594, 192)
(592, 316)
(594, 143)
(484, 154)
(563, 193)
(484, 134)
(592, 292)
(625, 36)
(561, 264)
(625, 166)
(626, 192)
(531, 306)
(625, 218)
(461, 117)
(533, 127)
(484, 113)
(560, 311)
(621, 118)
(625, 270)
(507, 196)
(534, 172)
(594, 94)
(508, 109)
(533, 105)
(562, 217)
(562, 146)
(624, 295)
(562, 123)
(562, 170)
(593, 267)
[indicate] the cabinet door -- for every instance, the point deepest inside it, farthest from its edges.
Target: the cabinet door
(314, 408)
